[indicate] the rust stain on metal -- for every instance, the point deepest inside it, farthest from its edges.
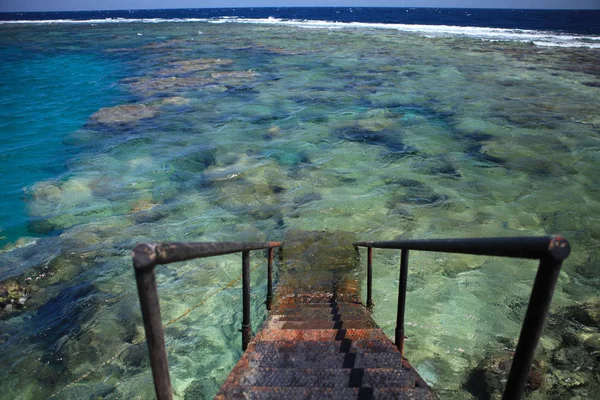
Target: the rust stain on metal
(315, 346)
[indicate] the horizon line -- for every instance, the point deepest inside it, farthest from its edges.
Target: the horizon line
(279, 7)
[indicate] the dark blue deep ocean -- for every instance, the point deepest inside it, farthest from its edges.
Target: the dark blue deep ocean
(585, 22)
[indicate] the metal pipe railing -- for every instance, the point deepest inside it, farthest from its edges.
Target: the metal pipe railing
(270, 278)
(401, 301)
(148, 255)
(550, 250)
(370, 303)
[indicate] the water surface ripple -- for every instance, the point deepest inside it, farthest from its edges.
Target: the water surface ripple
(204, 132)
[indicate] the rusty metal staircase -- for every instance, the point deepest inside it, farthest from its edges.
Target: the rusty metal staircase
(317, 344)
(314, 347)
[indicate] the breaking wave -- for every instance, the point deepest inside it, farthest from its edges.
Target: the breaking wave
(539, 38)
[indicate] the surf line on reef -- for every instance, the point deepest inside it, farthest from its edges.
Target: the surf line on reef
(538, 38)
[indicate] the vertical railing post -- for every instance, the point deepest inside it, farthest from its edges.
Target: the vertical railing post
(401, 300)
(535, 316)
(246, 326)
(370, 278)
(144, 259)
(270, 278)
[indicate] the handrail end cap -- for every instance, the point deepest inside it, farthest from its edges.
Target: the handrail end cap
(559, 248)
(144, 256)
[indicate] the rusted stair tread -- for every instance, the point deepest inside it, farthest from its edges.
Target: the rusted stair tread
(314, 304)
(337, 346)
(326, 318)
(317, 348)
(321, 313)
(288, 393)
(332, 377)
(320, 334)
(316, 360)
(321, 308)
(299, 393)
(322, 324)
(330, 304)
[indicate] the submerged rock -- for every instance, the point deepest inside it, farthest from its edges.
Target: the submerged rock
(166, 45)
(59, 205)
(318, 250)
(587, 313)
(437, 166)
(174, 101)
(48, 195)
(268, 49)
(487, 381)
(186, 66)
(149, 86)
(376, 135)
(220, 176)
(124, 114)
(148, 216)
(142, 205)
(273, 132)
(414, 193)
(265, 211)
(319, 262)
(28, 291)
(234, 75)
(377, 120)
(195, 159)
(290, 158)
(14, 294)
(540, 166)
(307, 198)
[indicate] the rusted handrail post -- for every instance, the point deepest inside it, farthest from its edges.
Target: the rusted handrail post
(401, 300)
(270, 278)
(246, 325)
(146, 256)
(550, 250)
(535, 317)
(370, 278)
(144, 261)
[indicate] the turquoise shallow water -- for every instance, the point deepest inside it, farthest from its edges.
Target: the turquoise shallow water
(45, 96)
(199, 131)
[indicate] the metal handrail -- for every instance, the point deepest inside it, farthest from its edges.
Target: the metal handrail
(550, 250)
(148, 255)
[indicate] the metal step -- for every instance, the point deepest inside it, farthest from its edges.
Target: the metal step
(296, 335)
(296, 393)
(338, 346)
(345, 377)
(308, 305)
(313, 307)
(329, 304)
(332, 314)
(272, 358)
(321, 324)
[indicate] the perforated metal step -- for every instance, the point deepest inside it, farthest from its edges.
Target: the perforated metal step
(296, 393)
(336, 346)
(274, 358)
(322, 350)
(330, 377)
(321, 324)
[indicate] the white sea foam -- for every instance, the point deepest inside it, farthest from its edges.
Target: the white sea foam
(539, 38)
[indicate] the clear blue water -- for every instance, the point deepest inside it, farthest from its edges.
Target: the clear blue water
(117, 132)
(44, 97)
